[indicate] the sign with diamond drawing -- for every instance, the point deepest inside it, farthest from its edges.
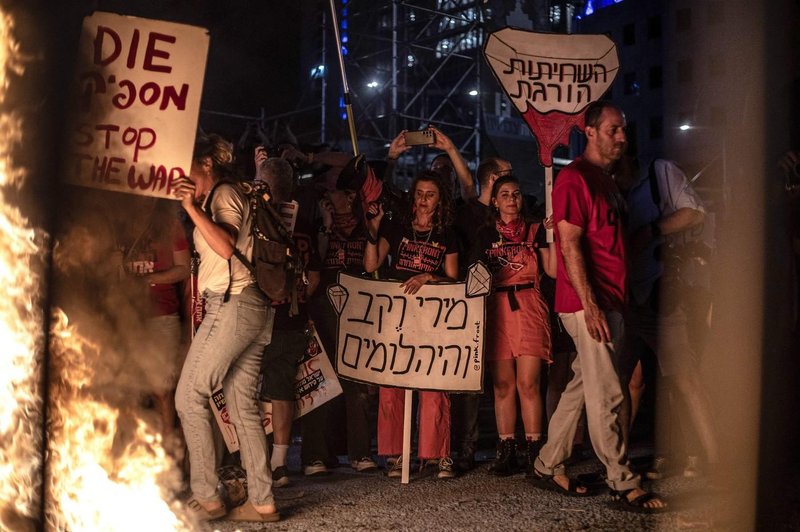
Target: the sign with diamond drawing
(431, 340)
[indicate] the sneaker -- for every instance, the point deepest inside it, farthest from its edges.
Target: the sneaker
(395, 467)
(280, 477)
(446, 468)
(364, 464)
(505, 462)
(692, 469)
(315, 468)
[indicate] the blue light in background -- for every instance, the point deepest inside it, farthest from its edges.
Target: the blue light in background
(593, 5)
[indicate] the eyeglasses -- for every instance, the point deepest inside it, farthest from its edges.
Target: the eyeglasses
(516, 266)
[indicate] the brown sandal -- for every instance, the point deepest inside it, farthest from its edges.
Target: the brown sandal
(248, 512)
(202, 514)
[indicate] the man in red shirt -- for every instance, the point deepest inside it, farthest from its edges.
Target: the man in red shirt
(590, 294)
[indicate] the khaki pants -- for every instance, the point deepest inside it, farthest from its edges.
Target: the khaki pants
(595, 384)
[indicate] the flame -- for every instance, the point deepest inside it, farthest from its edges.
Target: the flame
(21, 328)
(106, 468)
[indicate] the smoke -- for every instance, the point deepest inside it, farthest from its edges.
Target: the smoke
(106, 304)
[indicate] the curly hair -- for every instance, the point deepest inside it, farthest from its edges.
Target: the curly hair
(443, 217)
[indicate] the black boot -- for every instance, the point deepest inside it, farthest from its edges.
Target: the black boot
(532, 448)
(506, 461)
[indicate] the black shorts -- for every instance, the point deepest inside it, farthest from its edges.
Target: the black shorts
(279, 364)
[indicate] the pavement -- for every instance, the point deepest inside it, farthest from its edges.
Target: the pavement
(348, 500)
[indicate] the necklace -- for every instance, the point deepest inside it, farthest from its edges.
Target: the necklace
(418, 256)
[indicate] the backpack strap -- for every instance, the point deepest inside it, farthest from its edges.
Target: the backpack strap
(236, 252)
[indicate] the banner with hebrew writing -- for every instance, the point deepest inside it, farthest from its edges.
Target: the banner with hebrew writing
(551, 78)
(431, 340)
(135, 103)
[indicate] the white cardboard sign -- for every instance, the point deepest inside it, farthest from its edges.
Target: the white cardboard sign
(432, 340)
(136, 102)
(549, 71)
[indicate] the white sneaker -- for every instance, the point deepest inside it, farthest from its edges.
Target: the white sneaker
(364, 464)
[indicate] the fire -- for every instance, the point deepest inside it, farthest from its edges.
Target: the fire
(21, 335)
(106, 468)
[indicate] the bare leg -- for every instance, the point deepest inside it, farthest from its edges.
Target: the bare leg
(636, 389)
(530, 400)
(282, 417)
(505, 399)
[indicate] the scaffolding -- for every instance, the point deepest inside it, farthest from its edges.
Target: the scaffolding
(411, 64)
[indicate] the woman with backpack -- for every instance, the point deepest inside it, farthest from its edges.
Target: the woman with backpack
(227, 348)
(518, 323)
(423, 248)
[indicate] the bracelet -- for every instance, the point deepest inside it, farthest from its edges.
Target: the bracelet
(371, 239)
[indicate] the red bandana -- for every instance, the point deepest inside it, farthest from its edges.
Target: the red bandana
(513, 231)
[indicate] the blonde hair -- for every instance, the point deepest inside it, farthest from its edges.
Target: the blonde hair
(219, 150)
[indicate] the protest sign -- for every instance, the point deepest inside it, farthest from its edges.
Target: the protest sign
(551, 78)
(431, 340)
(135, 104)
(315, 384)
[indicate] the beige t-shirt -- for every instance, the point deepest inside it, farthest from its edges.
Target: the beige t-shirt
(229, 207)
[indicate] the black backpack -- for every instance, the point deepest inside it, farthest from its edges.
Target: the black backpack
(277, 264)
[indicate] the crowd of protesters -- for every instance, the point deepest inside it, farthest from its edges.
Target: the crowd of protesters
(612, 222)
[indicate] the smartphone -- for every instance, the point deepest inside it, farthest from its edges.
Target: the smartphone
(419, 138)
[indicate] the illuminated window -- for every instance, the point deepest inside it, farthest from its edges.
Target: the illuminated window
(555, 15)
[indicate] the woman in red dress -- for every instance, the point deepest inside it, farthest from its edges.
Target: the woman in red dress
(518, 326)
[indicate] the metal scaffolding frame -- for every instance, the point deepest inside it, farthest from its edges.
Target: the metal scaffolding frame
(410, 64)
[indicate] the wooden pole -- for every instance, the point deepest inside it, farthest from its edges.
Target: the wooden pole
(548, 197)
(409, 396)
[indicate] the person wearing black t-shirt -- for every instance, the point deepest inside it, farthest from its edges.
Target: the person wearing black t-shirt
(342, 240)
(420, 250)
